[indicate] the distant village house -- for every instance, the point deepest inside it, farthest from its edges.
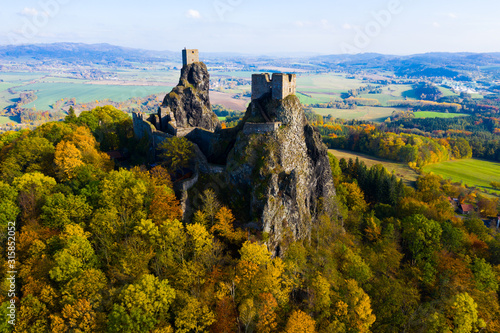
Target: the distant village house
(465, 208)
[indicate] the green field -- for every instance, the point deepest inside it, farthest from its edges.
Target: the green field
(5, 119)
(382, 98)
(431, 114)
(315, 98)
(326, 83)
(49, 93)
(473, 172)
(6, 85)
(56, 79)
(447, 92)
(7, 99)
(392, 92)
(400, 170)
(21, 77)
(375, 114)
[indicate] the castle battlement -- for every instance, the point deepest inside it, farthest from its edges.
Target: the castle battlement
(279, 86)
(190, 56)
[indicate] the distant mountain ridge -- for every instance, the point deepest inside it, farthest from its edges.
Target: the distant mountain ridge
(426, 64)
(84, 52)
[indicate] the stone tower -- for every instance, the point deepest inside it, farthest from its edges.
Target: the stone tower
(190, 56)
(279, 86)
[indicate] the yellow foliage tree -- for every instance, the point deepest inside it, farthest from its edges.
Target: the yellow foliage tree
(224, 226)
(67, 158)
(257, 273)
(200, 240)
(192, 316)
(352, 196)
(360, 314)
(300, 322)
(321, 288)
(247, 313)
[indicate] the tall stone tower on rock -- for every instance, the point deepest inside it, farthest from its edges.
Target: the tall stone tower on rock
(190, 57)
(187, 106)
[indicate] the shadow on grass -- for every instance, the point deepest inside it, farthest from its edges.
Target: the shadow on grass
(491, 190)
(409, 94)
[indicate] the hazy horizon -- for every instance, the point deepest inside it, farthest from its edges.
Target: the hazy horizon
(394, 27)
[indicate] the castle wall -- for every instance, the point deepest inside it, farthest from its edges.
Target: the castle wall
(261, 85)
(190, 56)
(206, 140)
(187, 184)
(185, 131)
(164, 114)
(144, 128)
(280, 86)
(284, 85)
(252, 128)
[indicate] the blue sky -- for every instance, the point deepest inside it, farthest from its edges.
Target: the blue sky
(260, 26)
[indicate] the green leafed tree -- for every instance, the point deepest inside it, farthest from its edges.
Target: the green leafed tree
(143, 306)
(421, 237)
(60, 210)
(76, 255)
(177, 152)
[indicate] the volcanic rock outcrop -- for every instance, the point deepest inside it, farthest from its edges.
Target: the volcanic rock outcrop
(284, 174)
(188, 104)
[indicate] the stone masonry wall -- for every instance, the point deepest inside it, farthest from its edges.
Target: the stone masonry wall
(143, 127)
(252, 128)
(284, 85)
(261, 85)
(190, 56)
(280, 86)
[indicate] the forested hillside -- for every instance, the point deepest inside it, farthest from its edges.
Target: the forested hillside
(99, 248)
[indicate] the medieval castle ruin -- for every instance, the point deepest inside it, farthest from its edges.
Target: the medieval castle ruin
(188, 112)
(273, 162)
(280, 86)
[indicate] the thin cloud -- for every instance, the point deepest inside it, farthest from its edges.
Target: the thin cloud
(453, 15)
(28, 12)
(436, 25)
(194, 14)
(324, 24)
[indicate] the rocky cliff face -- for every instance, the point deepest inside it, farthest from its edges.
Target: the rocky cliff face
(284, 175)
(188, 103)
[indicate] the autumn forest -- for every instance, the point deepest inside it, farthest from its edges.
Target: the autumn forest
(103, 247)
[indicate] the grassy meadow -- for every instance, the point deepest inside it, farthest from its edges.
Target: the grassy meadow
(370, 113)
(472, 172)
(431, 114)
(48, 93)
(5, 119)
